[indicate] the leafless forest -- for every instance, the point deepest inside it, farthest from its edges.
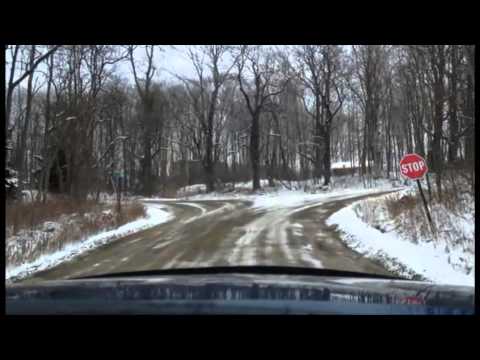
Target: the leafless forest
(76, 126)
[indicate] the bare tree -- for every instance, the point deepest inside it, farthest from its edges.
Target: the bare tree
(74, 123)
(369, 65)
(262, 65)
(143, 86)
(13, 83)
(320, 72)
(204, 93)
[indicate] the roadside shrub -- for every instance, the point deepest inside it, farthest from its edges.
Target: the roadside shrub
(132, 211)
(396, 206)
(27, 244)
(28, 215)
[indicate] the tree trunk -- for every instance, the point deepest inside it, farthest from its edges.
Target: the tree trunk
(255, 151)
(208, 164)
(8, 105)
(147, 147)
(21, 148)
(147, 166)
(326, 158)
(438, 118)
(319, 136)
(470, 114)
(453, 121)
(46, 155)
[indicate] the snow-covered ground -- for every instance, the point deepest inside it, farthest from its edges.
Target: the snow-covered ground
(109, 198)
(437, 260)
(336, 182)
(29, 195)
(449, 259)
(346, 164)
(342, 165)
(156, 215)
(291, 194)
(443, 260)
(201, 188)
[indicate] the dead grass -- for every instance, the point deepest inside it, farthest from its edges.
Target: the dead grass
(397, 206)
(130, 212)
(76, 223)
(28, 215)
(409, 213)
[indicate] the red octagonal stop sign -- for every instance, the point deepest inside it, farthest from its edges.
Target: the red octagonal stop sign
(413, 166)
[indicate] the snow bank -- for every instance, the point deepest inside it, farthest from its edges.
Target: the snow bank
(342, 165)
(29, 195)
(193, 188)
(201, 188)
(110, 198)
(284, 198)
(156, 215)
(293, 193)
(248, 185)
(347, 164)
(426, 258)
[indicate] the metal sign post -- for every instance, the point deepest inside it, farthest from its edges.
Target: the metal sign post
(414, 167)
(426, 207)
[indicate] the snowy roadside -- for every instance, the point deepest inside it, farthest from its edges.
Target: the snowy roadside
(281, 196)
(424, 258)
(156, 215)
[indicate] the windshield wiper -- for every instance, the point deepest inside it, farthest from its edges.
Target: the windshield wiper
(266, 270)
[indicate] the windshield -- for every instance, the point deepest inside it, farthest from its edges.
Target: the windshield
(357, 158)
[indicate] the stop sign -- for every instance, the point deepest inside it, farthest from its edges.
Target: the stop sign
(413, 166)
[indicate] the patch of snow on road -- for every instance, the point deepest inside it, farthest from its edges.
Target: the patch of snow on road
(278, 231)
(306, 254)
(202, 209)
(156, 215)
(222, 209)
(297, 229)
(163, 244)
(306, 250)
(244, 251)
(423, 258)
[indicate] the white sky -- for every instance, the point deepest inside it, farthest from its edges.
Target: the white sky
(171, 59)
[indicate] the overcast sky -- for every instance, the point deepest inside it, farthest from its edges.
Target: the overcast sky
(172, 59)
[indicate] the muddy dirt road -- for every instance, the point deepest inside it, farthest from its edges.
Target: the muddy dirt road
(223, 233)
